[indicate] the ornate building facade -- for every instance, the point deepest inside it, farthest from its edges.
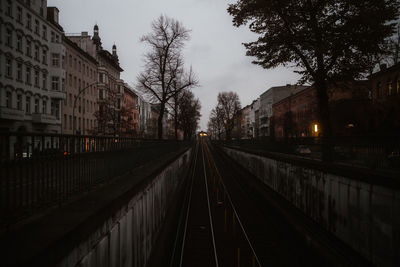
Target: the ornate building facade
(32, 61)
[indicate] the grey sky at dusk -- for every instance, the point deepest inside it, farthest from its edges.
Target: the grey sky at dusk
(215, 50)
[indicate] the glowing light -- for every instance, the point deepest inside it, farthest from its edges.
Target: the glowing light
(316, 128)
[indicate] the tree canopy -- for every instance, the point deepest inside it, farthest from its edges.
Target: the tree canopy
(326, 40)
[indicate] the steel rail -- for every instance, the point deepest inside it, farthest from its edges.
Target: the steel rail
(233, 207)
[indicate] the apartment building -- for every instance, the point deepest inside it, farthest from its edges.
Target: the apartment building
(32, 59)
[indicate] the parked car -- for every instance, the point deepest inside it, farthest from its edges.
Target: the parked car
(302, 150)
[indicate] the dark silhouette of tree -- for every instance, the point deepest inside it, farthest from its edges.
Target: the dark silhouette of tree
(188, 114)
(112, 116)
(215, 123)
(327, 40)
(164, 65)
(228, 105)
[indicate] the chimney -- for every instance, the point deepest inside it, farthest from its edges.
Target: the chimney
(85, 34)
(52, 15)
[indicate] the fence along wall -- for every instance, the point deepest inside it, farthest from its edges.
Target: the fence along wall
(127, 238)
(363, 215)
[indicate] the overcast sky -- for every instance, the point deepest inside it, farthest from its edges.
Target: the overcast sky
(215, 50)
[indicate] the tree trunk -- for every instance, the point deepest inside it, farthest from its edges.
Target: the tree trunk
(324, 118)
(176, 124)
(160, 121)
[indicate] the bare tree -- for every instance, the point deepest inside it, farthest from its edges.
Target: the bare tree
(164, 65)
(215, 123)
(229, 105)
(188, 114)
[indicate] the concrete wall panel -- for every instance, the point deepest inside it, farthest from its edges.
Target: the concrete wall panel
(128, 236)
(364, 216)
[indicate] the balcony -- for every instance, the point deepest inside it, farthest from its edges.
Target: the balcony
(11, 114)
(44, 119)
(56, 94)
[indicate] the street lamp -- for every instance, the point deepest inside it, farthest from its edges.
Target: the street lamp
(73, 109)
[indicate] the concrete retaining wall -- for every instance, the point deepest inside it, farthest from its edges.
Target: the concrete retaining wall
(363, 215)
(127, 238)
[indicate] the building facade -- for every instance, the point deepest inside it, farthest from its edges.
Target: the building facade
(268, 99)
(350, 108)
(130, 112)
(385, 94)
(81, 100)
(32, 59)
(110, 86)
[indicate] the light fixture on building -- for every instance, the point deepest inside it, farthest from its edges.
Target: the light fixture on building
(316, 128)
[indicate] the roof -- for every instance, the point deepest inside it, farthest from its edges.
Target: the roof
(80, 50)
(110, 59)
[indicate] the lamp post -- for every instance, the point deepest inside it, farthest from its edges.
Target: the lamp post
(73, 109)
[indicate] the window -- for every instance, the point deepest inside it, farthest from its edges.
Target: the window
(63, 84)
(19, 43)
(28, 3)
(79, 64)
(70, 100)
(57, 38)
(19, 14)
(55, 58)
(44, 32)
(70, 60)
(36, 26)
(28, 48)
(19, 102)
(63, 62)
(36, 105)
(9, 37)
(28, 105)
(75, 85)
(55, 83)
(44, 56)
(8, 67)
(28, 75)
(52, 37)
(36, 78)
(70, 79)
(19, 71)
(75, 63)
(44, 81)
(9, 8)
(37, 52)
(65, 121)
(44, 107)
(389, 87)
(29, 21)
(101, 77)
(70, 122)
(8, 99)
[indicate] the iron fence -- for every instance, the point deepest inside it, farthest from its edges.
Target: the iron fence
(380, 152)
(38, 170)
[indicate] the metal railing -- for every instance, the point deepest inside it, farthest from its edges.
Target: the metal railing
(38, 170)
(370, 152)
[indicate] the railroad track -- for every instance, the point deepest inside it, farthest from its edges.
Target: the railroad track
(225, 222)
